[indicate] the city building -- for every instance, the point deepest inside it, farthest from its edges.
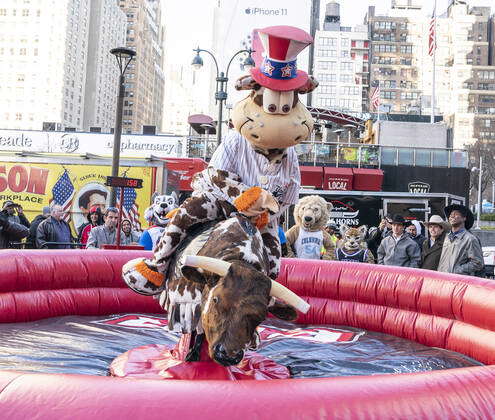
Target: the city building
(56, 71)
(145, 79)
(341, 64)
(394, 64)
(43, 56)
(107, 30)
(464, 65)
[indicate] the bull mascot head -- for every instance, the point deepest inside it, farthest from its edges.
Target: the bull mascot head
(272, 117)
(236, 299)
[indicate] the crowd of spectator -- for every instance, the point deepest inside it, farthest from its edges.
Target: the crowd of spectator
(49, 230)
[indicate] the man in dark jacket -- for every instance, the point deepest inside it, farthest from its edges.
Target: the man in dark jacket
(10, 231)
(54, 229)
(31, 240)
(432, 246)
(399, 249)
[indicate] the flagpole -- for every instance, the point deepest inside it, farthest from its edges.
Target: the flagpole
(432, 119)
(379, 100)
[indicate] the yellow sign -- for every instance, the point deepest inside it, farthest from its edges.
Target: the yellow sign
(75, 187)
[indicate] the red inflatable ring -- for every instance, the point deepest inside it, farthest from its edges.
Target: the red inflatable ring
(435, 309)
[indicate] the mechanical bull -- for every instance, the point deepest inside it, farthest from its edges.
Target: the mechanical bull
(218, 288)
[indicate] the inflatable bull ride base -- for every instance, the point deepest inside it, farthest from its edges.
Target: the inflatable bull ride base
(435, 309)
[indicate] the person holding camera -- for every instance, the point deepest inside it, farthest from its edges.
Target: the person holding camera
(11, 208)
(10, 231)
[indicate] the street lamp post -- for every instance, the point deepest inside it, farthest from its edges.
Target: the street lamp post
(124, 56)
(479, 169)
(221, 79)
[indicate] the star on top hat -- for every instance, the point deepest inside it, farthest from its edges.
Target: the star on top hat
(281, 45)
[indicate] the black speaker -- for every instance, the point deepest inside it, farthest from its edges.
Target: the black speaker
(70, 129)
(95, 129)
(149, 129)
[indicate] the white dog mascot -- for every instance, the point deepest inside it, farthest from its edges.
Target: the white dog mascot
(158, 215)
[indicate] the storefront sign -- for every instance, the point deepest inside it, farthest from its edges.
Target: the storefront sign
(418, 187)
(95, 143)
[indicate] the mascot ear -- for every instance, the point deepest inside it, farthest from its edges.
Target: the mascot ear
(343, 229)
(329, 207)
(155, 194)
(310, 85)
(247, 83)
(362, 231)
(175, 197)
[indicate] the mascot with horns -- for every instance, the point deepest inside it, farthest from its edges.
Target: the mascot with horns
(255, 170)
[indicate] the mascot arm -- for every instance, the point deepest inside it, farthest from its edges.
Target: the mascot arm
(329, 254)
(146, 241)
(291, 236)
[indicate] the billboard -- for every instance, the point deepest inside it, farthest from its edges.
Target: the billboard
(233, 26)
(75, 187)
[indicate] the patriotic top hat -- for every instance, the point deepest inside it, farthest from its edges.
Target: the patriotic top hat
(281, 45)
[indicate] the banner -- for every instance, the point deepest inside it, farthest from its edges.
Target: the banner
(75, 187)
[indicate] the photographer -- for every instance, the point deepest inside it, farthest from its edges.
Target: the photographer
(10, 208)
(10, 231)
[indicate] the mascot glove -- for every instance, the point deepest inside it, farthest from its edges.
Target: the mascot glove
(139, 275)
(172, 213)
(255, 201)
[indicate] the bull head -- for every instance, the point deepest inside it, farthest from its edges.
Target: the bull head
(236, 300)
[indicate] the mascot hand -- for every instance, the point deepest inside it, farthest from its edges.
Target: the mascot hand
(262, 220)
(172, 213)
(141, 277)
(255, 201)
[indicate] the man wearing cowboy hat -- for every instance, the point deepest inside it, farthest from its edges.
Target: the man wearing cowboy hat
(432, 246)
(399, 249)
(461, 251)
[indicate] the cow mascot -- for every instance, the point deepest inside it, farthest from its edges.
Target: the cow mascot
(158, 216)
(253, 176)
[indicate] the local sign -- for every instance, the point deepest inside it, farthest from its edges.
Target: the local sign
(418, 187)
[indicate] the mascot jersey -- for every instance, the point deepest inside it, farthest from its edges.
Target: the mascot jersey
(150, 237)
(358, 256)
(280, 176)
(308, 244)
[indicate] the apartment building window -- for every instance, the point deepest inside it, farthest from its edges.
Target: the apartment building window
(385, 48)
(3, 12)
(485, 74)
(323, 77)
(23, 51)
(385, 25)
(346, 66)
(25, 12)
(346, 78)
(344, 53)
(20, 77)
(344, 42)
(323, 53)
(329, 89)
(406, 61)
(390, 84)
(409, 95)
(349, 90)
(487, 99)
(406, 49)
(386, 94)
(18, 116)
(487, 123)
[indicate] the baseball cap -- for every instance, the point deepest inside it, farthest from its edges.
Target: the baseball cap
(46, 210)
(8, 203)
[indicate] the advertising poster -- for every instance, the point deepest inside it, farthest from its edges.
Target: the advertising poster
(75, 187)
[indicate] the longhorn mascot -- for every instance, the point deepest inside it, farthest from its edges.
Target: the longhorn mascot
(255, 170)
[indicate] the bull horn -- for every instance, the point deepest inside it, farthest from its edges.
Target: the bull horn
(289, 297)
(213, 265)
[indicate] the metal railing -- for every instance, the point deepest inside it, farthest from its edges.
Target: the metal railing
(354, 154)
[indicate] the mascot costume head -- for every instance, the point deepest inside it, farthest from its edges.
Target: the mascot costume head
(271, 117)
(158, 213)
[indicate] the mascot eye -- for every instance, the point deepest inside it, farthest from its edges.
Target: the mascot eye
(286, 108)
(215, 299)
(272, 108)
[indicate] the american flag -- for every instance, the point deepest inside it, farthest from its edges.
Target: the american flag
(130, 210)
(63, 193)
(375, 97)
(432, 36)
